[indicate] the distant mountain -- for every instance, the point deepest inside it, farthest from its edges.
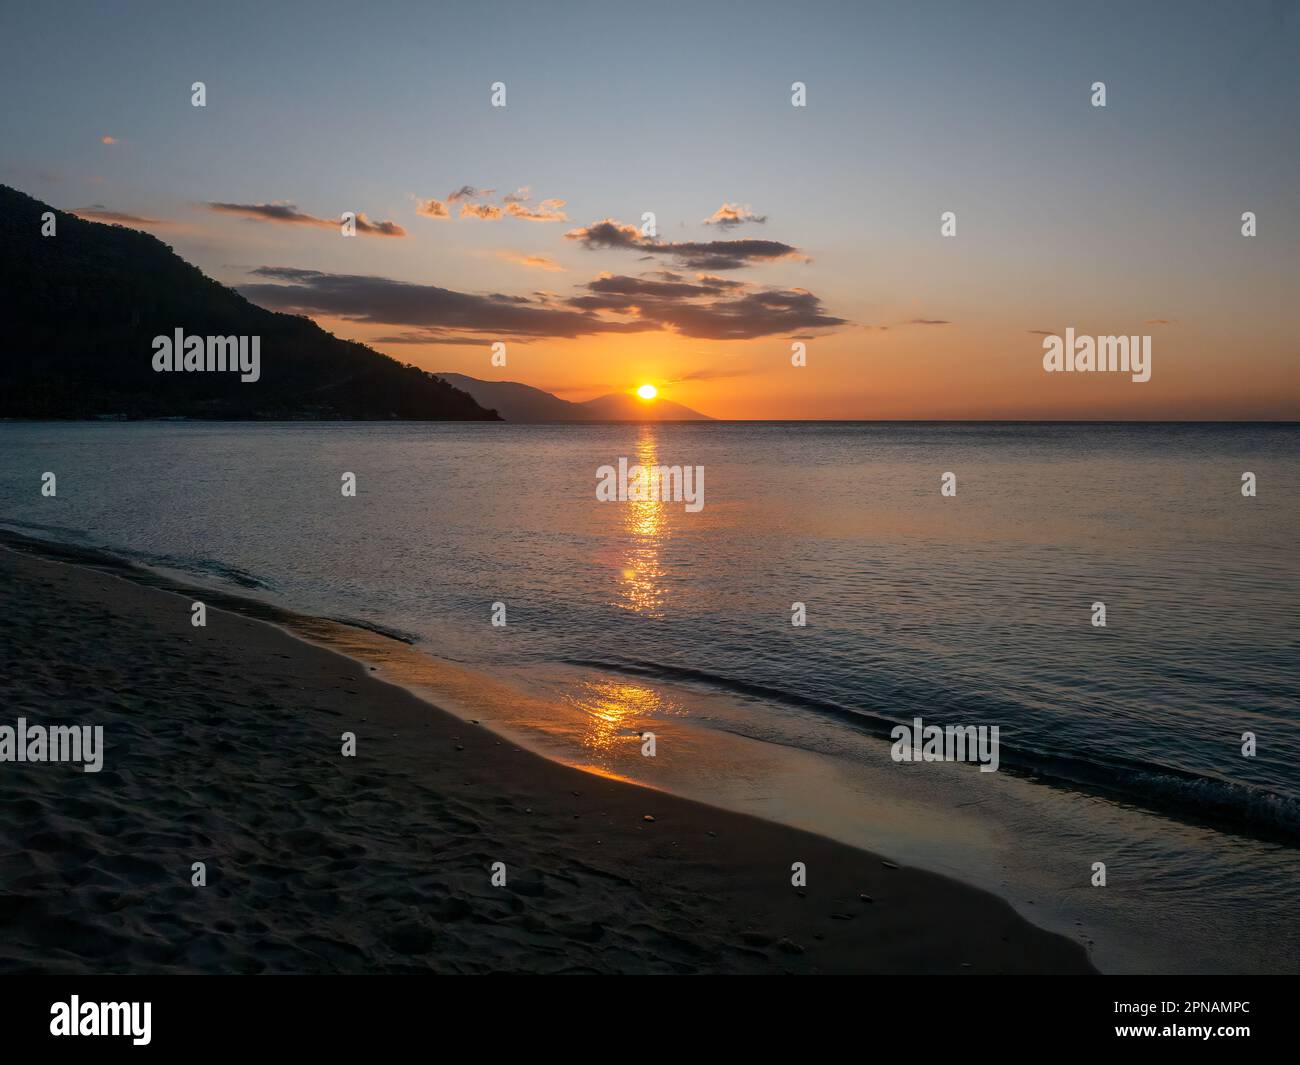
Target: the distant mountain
(81, 310)
(621, 407)
(517, 402)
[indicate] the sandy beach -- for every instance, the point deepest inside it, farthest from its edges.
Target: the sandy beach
(223, 746)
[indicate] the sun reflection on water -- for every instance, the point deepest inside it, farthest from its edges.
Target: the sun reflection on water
(642, 589)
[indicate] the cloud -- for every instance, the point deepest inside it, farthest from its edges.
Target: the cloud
(107, 140)
(699, 255)
(430, 336)
(1159, 321)
(1042, 332)
(442, 312)
(469, 192)
(288, 214)
(703, 308)
(536, 262)
(473, 205)
(927, 321)
(707, 308)
(377, 229)
(711, 375)
(99, 213)
(731, 215)
(546, 211)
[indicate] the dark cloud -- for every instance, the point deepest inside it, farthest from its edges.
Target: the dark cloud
(707, 308)
(427, 307)
(469, 192)
(640, 286)
(927, 321)
(288, 214)
(698, 255)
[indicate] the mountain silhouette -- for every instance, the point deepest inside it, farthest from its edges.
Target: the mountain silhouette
(517, 402)
(82, 308)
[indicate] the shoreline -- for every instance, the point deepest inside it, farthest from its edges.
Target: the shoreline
(382, 862)
(368, 642)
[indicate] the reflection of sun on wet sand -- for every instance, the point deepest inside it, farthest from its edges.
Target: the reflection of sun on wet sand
(617, 711)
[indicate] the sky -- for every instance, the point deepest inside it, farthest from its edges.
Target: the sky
(774, 224)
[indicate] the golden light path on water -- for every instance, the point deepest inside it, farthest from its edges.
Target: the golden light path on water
(646, 527)
(617, 709)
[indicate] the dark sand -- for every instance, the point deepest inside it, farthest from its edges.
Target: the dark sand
(223, 746)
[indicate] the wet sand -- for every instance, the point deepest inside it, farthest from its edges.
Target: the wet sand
(223, 746)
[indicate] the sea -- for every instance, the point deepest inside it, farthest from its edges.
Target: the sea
(1147, 797)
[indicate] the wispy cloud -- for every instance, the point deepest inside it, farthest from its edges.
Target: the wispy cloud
(700, 255)
(731, 215)
(536, 262)
(546, 211)
(99, 213)
(719, 374)
(288, 214)
(469, 192)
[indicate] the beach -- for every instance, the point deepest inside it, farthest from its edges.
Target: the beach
(223, 745)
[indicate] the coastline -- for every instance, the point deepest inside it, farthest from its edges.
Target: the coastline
(223, 746)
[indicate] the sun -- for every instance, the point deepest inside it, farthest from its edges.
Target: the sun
(647, 391)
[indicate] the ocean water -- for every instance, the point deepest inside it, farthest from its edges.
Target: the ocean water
(1120, 745)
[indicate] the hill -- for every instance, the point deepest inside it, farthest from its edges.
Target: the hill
(517, 402)
(82, 308)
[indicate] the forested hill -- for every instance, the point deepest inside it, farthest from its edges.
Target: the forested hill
(81, 309)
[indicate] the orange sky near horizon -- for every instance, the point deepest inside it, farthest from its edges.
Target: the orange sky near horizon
(975, 372)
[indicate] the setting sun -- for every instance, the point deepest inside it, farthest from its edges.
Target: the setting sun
(647, 391)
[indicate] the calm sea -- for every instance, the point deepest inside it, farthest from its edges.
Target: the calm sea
(1120, 745)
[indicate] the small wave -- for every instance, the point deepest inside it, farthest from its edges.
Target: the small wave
(204, 568)
(379, 630)
(1179, 793)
